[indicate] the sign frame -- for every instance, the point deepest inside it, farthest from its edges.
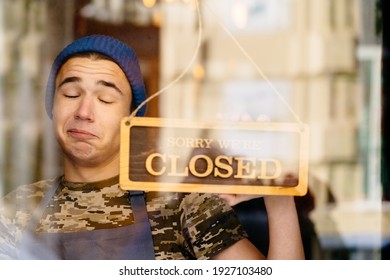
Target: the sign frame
(126, 183)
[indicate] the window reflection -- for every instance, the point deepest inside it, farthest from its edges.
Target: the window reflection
(322, 57)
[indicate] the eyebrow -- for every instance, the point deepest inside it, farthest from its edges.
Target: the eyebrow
(109, 84)
(75, 79)
(69, 80)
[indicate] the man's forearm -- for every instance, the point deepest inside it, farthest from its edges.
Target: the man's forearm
(284, 232)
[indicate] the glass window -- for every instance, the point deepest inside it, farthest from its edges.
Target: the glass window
(224, 60)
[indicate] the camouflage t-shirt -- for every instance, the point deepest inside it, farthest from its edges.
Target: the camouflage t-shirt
(184, 225)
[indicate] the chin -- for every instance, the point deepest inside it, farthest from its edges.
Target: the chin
(81, 157)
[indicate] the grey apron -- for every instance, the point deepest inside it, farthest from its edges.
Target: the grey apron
(133, 242)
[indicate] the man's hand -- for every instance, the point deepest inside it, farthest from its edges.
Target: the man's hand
(234, 199)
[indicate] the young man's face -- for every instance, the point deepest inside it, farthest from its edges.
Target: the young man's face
(90, 100)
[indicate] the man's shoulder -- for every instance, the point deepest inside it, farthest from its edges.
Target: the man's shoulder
(204, 202)
(182, 199)
(36, 189)
(191, 205)
(25, 197)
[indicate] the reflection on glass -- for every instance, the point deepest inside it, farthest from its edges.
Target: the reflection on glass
(318, 56)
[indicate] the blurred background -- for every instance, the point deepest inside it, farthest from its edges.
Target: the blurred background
(323, 57)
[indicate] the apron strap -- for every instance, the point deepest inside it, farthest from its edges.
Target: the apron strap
(137, 200)
(138, 205)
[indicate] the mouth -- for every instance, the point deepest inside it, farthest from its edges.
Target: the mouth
(81, 134)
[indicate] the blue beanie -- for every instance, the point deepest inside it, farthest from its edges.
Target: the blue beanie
(118, 51)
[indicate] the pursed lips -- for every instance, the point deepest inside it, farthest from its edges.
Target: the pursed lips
(81, 134)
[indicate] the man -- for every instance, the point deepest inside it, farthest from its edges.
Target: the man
(84, 214)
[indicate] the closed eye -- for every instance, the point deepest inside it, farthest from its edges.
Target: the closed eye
(71, 96)
(105, 101)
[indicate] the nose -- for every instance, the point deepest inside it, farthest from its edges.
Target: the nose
(85, 109)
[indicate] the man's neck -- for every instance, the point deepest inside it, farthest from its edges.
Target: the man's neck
(77, 173)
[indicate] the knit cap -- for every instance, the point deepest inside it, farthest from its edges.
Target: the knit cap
(118, 51)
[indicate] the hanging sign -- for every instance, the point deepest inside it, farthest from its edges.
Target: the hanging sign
(232, 157)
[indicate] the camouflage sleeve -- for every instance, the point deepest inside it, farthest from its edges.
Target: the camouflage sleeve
(16, 209)
(7, 229)
(7, 239)
(209, 225)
